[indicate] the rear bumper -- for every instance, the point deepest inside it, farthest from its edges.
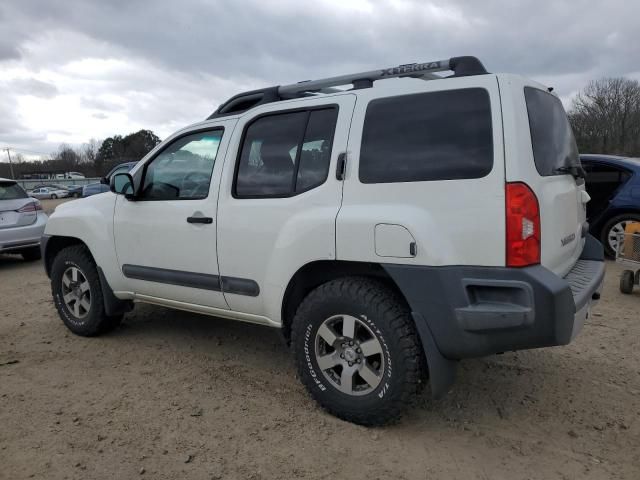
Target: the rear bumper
(18, 238)
(478, 311)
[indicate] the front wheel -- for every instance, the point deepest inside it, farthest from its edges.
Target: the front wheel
(77, 293)
(357, 351)
(54, 196)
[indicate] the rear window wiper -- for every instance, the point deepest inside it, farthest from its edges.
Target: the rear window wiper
(575, 171)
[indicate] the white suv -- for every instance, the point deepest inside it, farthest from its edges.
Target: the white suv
(388, 231)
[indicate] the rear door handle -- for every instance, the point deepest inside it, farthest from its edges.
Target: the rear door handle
(206, 220)
(341, 167)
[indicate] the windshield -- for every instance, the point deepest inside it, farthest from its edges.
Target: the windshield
(11, 191)
(554, 146)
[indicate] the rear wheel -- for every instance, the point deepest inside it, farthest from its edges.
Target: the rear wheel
(77, 293)
(54, 196)
(357, 351)
(613, 228)
(31, 254)
(627, 279)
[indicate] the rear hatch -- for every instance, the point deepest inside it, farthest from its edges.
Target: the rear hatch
(15, 204)
(548, 162)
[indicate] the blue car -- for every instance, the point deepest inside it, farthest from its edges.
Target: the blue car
(103, 185)
(614, 186)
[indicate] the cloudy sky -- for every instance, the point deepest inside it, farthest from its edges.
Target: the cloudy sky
(76, 69)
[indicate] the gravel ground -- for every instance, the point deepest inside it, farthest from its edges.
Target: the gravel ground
(178, 395)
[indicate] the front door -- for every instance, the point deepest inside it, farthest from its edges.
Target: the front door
(166, 238)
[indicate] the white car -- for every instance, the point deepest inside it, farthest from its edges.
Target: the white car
(22, 221)
(49, 193)
(386, 232)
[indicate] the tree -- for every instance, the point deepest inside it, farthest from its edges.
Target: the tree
(130, 148)
(605, 117)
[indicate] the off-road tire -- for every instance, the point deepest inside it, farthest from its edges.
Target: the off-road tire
(387, 315)
(96, 320)
(627, 280)
(31, 254)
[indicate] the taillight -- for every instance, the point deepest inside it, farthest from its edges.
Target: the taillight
(523, 225)
(31, 207)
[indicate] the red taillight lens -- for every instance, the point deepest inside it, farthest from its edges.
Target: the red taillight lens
(523, 225)
(31, 207)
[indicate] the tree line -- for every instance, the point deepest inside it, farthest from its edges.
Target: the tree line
(605, 117)
(93, 159)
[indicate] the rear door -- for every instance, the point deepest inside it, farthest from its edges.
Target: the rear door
(279, 197)
(540, 149)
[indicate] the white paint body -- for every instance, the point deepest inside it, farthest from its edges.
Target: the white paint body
(453, 222)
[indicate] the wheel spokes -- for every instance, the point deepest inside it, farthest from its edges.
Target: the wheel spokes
(346, 380)
(369, 376)
(348, 327)
(371, 347)
(327, 334)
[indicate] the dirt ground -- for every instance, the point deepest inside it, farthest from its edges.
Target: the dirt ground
(178, 395)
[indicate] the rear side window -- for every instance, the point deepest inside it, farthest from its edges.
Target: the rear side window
(428, 136)
(286, 153)
(552, 139)
(11, 191)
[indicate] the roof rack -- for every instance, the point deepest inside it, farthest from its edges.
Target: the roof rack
(460, 66)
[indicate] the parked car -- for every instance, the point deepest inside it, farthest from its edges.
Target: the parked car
(384, 231)
(73, 190)
(94, 188)
(614, 186)
(22, 221)
(49, 193)
(120, 168)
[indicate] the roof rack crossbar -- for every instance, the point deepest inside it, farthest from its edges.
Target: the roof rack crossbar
(461, 66)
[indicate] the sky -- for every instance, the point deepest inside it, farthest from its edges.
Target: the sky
(74, 70)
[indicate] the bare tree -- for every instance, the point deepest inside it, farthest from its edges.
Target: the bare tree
(605, 117)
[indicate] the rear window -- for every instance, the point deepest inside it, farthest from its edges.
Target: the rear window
(552, 139)
(427, 136)
(11, 191)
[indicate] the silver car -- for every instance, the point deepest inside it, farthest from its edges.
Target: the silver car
(22, 221)
(49, 193)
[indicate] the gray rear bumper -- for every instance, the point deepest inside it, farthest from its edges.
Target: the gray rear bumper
(477, 311)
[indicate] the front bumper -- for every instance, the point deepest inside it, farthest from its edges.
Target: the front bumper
(478, 311)
(17, 238)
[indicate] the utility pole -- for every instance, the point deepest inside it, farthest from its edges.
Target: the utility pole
(10, 164)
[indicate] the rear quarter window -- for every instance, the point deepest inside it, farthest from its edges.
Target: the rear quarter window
(11, 191)
(552, 140)
(427, 136)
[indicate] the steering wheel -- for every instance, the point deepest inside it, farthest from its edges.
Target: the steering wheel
(200, 181)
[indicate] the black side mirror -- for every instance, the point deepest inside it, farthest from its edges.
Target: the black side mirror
(104, 181)
(122, 184)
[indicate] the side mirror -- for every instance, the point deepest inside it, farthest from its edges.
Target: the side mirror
(104, 181)
(122, 184)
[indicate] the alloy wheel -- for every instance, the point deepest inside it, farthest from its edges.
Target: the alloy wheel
(349, 355)
(76, 293)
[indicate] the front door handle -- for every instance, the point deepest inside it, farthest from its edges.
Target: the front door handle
(205, 220)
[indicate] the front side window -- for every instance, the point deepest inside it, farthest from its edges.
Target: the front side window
(286, 153)
(182, 171)
(554, 146)
(427, 136)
